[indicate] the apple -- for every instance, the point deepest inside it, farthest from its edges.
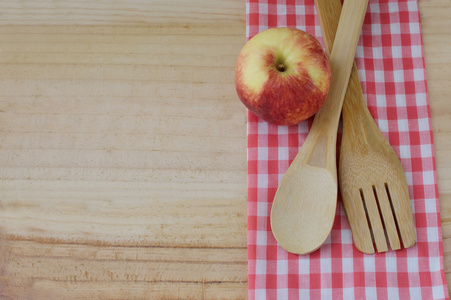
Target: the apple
(283, 75)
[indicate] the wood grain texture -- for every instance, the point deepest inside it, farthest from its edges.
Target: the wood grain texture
(123, 152)
(437, 49)
(121, 12)
(108, 121)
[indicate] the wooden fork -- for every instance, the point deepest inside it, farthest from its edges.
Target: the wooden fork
(372, 181)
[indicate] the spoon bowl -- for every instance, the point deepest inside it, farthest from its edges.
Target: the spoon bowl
(297, 231)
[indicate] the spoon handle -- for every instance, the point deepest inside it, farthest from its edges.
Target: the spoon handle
(325, 124)
(329, 14)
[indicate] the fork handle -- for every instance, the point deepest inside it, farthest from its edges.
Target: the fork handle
(329, 13)
(344, 51)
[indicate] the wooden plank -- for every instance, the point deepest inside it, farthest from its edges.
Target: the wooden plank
(52, 270)
(437, 42)
(123, 162)
(73, 12)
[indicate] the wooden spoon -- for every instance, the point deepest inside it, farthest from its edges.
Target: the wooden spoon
(303, 209)
(372, 181)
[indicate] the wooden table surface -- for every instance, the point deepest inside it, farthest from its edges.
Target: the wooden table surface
(123, 147)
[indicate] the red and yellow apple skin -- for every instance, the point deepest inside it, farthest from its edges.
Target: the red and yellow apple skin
(283, 75)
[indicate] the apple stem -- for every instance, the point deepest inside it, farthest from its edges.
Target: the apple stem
(280, 67)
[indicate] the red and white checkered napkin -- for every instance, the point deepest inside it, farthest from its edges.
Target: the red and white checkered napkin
(392, 71)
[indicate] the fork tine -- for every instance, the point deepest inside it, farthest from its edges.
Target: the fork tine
(387, 216)
(375, 220)
(357, 216)
(398, 194)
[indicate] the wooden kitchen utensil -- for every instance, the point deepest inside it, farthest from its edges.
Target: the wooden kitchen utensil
(372, 181)
(304, 206)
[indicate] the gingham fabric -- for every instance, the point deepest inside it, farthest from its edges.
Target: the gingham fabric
(392, 71)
